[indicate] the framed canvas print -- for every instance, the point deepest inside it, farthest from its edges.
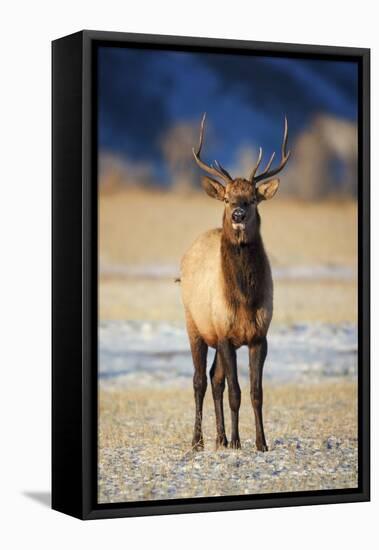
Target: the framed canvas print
(210, 317)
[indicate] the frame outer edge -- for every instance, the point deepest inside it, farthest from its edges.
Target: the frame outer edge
(86, 496)
(89, 282)
(67, 339)
(365, 390)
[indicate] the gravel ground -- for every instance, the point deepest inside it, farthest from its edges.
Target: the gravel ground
(144, 444)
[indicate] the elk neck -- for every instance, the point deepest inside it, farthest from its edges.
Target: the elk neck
(244, 267)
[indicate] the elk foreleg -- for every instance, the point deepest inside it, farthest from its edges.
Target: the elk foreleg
(199, 351)
(257, 356)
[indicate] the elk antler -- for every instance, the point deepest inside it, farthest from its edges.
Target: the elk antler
(267, 173)
(216, 170)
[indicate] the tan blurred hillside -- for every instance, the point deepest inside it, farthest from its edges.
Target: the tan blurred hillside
(144, 227)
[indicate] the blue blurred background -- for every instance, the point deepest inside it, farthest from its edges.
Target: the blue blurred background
(150, 105)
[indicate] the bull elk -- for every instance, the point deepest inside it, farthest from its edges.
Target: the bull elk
(227, 293)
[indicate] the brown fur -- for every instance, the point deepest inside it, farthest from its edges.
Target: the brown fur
(226, 278)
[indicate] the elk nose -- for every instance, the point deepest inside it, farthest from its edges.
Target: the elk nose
(238, 215)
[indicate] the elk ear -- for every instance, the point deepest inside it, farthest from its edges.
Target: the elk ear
(267, 190)
(213, 188)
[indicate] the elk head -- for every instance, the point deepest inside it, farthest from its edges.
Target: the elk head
(241, 196)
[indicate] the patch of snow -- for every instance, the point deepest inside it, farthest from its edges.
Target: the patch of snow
(133, 353)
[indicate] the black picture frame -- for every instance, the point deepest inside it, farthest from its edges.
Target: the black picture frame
(74, 274)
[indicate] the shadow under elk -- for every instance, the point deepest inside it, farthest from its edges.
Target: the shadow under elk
(227, 293)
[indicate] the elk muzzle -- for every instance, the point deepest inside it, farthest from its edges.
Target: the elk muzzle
(238, 215)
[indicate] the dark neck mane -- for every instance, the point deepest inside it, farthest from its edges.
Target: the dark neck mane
(244, 268)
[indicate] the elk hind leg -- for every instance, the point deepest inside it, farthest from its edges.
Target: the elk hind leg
(228, 358)
(217, 375)
(257, 356)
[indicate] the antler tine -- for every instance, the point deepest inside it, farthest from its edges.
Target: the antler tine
(267, 173)
(256, 165)
(218, 172)
(285, 137)
(202, 124)
(222, 169)
(268, 165)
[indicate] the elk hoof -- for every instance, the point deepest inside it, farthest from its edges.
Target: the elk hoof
(261, 447)
(221, 441)
(235, 444)
(198, 444)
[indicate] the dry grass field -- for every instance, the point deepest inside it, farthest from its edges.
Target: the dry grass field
(143, 298)
(141, 228)
(145, 438)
